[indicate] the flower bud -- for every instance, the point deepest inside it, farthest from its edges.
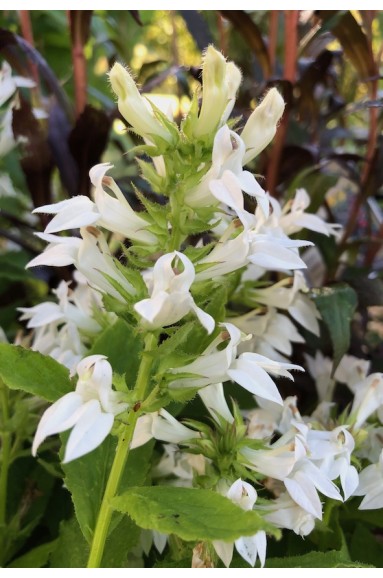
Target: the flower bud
(214, 92)
(262, 124)
(133, 107)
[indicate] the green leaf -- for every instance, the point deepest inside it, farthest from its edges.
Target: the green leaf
(115, 340)
(337, 305)
(86, 479)
(35, 558)
(71, 550)
(191, 514)
(87, 476)
(365, 546)
(33, 372)
(331, 559)
(120, 541)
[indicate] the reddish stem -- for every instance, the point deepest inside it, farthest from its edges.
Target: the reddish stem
(79, 62)
(289, 73)
(27, 34)
(273, 37)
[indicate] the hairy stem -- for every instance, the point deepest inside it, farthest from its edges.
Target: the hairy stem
(122, 454)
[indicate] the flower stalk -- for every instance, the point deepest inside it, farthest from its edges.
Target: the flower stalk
(121, 457)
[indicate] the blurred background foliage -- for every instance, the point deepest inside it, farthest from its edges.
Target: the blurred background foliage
(328, 66)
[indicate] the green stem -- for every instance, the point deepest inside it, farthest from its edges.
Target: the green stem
(122, 453)
(5, 463)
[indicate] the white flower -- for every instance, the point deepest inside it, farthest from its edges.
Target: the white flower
(115, 212)
(166, 428)
(226, 179)
(214, 400)
(63, 311)
(283, 512)
(89, 410)
(300, 307)
(272, 333)
(287, 460)
(90, 255)
(72, 213)
(320, 368)
(261, 126)
(371, 486)
(368, 398)
(331, 451)
(135, 108)
(110, 212)
(249, 547)
(249, 370)
(293, 218)
(170, 298)
(271, 250)
(220, 82)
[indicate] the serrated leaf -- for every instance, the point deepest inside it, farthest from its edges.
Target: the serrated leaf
(337, 305)
(33, 372)
(191, 514)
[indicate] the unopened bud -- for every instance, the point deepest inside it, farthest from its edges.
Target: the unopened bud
(262, 124)
(133, 107)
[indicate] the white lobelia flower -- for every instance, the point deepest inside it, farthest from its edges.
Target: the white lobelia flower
(293, 299)
(261, 126)
(287, 460)
(249, 370)
(110, 212)
(90, 255)
(134, 107)
(293, 217)
(368, 398)
(226, 179)
(215, 402)
(116, 214)
(220, 82)
(371, 486)
(166, 428)
(89, 410)
(272, 333)
(170, 297)
(270, 250)
(65, 310)
(320, 367)
(331, 452)
(283, 512)
(248, 547)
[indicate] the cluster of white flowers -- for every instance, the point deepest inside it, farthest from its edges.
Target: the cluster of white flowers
(200, 169)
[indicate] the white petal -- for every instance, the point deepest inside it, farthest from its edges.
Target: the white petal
(73, 213)
(57, 418)
(204, 318)
(224, 551)
(254, 379)
(214, 399)
(142, 431)
(303, 492)
(89, 432)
